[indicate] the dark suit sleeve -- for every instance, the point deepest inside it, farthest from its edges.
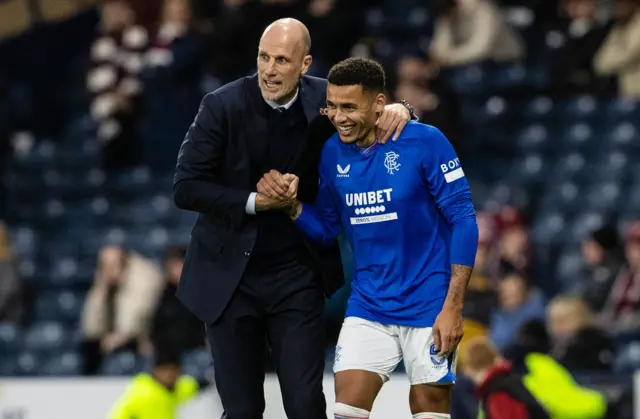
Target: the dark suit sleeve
(196, 185)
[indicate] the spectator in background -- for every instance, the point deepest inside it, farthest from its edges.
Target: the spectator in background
(120, 304)
(518, 303)
(621, 309)
(619, 55)
(113, 80)
(434, 102)
(576, 343)
(473, 31)
(500, 390)
(603, 258)
(514, 247)
(173, 325)
(171, 79)
(11, 302)
(571, 71)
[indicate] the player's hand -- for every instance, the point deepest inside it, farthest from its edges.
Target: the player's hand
(292, 192)
(275, 185)
(447, 330)
(391, 121)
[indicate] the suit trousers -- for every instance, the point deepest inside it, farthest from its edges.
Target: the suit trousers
(283, 311)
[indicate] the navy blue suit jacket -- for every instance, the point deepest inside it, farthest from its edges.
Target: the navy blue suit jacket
(217, 169)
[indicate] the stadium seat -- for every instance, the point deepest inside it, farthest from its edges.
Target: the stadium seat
(621, 109)
(64, 306)
(46, 336)
(539, 109)
(580, 109)
(578, 136)
(121, 363)
(604, 196)
(533, 138)
(64, 364)
(28, 364)
(547, 228)
(10, 339)
(198, 363)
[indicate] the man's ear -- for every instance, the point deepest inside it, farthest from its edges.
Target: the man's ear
(306, 63)
(381, 101)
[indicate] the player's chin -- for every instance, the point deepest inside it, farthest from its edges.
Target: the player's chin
(348, 139)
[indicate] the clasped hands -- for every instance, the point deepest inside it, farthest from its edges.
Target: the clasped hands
(277, 191)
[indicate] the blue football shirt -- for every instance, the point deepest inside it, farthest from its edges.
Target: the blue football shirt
(394, 202)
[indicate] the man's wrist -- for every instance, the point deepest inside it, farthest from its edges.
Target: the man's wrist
(452, 306)
(295, 210)
(412, 113)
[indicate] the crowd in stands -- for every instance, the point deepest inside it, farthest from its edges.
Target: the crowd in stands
(541, 98)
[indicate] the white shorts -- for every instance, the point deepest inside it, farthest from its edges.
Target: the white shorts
(371, 346)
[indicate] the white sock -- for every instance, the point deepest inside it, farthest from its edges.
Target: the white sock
(427, 415)
(344, 411)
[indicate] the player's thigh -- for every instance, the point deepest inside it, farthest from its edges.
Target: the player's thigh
(366, 354)
(421, 359)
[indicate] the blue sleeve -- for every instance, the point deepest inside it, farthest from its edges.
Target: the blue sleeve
(448, 185)
(320, 222)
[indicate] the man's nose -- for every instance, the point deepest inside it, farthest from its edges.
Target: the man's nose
(339, 117)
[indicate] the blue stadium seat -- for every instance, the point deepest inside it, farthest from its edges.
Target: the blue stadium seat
(28, 363)
(564, 196)
(65, 306)
(529, 169)
(578, 136)
(633, 197)
(569, 270)
(567, 167)
(121, 363)
(581, 108)
(621, 109)
(64, 364)
(547, 228)
(604, 196)
(533, 138)
(469, 80)
(198, 363)
(628, 358)
(46, 337)
(25, 241)
(582, 225)
(10, 339)
(539, 109)
(623, 136)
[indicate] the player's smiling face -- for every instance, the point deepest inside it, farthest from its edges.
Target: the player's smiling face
(354, 112)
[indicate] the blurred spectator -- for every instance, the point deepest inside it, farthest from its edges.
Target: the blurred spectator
(174, 326)
(501, 391)
(11, 302)
(518, 302)
(434, 102)
(621, 309)
(514, 247)
(120, 304)
(576, 342)
(571, 70)
(113, 80)
(543, 380)
(619, 55)
(334, 27)
(603, 258)
(171, 79)
(473, 31)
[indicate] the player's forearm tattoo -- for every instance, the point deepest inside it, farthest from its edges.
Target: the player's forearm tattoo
(460, 275)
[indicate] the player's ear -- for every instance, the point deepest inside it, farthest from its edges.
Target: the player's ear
(380, 101)
(306, 63)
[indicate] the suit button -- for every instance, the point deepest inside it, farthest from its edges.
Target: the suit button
(247, 254)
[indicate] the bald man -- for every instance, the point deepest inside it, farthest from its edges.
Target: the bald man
(254, 281)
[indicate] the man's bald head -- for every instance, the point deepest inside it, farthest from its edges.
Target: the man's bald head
(294, 30)
(283, 57)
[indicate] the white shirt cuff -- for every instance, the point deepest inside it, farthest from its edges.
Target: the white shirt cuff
(250, 208)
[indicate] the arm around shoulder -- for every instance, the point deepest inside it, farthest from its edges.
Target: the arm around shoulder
(197, 183)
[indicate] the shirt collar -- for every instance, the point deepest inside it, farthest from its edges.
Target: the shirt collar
(274, 105)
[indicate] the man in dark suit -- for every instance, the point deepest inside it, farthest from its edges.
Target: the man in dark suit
(248, 274)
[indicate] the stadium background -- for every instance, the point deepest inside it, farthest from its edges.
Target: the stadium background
(95, 100)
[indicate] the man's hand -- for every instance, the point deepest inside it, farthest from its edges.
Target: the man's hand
(275, 185)
(392, 120)
(447, 330)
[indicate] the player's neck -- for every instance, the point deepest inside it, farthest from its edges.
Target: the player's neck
(367, 140)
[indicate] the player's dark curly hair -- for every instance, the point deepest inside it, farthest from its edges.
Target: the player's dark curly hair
(358, 71)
